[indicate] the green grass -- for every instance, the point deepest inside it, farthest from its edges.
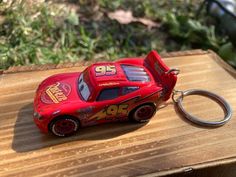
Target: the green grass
(48, 34)
(51, 33)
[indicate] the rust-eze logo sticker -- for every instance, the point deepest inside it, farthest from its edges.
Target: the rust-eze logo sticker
(56, 93)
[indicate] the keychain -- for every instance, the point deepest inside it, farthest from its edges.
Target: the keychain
(218, 99)
(127, 89)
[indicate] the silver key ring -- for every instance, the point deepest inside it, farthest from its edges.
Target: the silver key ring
(221, 101)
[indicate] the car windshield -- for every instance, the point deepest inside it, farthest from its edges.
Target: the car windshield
(83, 87)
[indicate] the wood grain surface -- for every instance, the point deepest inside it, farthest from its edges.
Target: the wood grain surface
(167, 144)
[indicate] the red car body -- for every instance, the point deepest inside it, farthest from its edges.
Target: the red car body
(103, 92)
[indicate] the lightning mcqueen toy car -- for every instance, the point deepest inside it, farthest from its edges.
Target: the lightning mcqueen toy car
(128, 89)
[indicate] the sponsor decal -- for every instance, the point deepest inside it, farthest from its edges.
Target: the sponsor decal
(56, 93)
(85, 112)
(109, 84)
(105, 70)
(158, 69)
(122, 109)
(111, 111)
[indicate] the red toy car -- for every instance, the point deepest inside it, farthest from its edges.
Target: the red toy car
(128, 89)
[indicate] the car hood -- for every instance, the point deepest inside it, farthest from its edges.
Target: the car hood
(56, 91)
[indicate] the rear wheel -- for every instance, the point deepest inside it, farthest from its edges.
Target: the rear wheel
(64, 126)
(143, 113)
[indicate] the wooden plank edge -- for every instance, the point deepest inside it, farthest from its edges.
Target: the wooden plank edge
(184, 53)
(15, 69)
(29, 68)
(189, 169)
(222, 63)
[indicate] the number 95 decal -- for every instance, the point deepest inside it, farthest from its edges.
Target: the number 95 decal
(105, 70)
(111, 111)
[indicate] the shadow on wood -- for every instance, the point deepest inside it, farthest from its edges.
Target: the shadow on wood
(27, 136)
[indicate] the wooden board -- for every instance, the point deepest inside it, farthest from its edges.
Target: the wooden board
(167, 144)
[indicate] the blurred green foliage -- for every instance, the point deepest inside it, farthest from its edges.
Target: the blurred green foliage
(53, 33)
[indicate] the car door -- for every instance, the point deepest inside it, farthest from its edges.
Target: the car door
(113, 104)
(107, 105)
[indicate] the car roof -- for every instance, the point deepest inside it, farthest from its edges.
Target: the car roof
(110, 74)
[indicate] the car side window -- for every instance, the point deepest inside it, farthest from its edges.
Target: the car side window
(108, 94)
(126, 90)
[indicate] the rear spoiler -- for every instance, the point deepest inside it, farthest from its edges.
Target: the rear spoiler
(161, 72)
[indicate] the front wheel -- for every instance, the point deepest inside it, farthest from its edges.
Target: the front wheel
(64, 126)
(143, 113)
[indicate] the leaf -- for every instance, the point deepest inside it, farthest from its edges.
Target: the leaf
(170, 19)
(126, 17)
(148, 22)
(73, 18)
(123, 17)
(63, 38)
(228, 52)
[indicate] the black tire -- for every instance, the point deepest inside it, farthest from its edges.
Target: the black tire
(143, 113)
(64, 126)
